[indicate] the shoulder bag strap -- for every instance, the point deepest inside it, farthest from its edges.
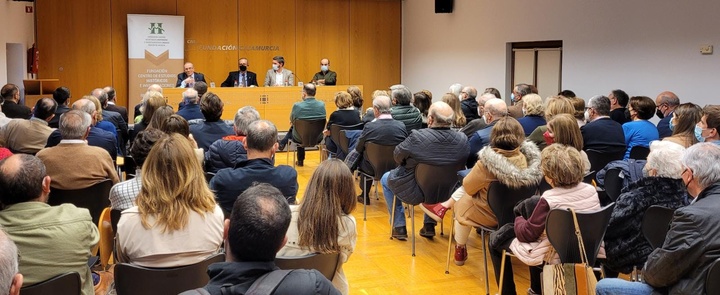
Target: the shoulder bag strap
(266, 284)
(581, 245)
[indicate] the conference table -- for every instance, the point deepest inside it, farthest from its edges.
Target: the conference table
(273, 103)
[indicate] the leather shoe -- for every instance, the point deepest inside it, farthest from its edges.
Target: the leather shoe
(299, 163)
(281, 145)
(360, 200)
(428, 231)
(460, 255)
(435, 211)
(400, 233)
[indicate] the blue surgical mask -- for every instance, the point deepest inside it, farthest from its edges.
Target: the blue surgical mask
(672, 126)
(698, 134)
(324, 68)
(512, 97)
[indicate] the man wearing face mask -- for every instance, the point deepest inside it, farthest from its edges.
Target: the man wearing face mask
(325, 76)
(681, 265)
(279, 75)
(518, 92)
(666, 103)
(601, 133)
(707, 129)
(242, 77)
(468, 104)
(473, 126)
(494, 110)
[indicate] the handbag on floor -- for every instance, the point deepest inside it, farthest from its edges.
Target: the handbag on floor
(570, 278)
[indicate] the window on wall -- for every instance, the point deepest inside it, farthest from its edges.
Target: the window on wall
(537, 63)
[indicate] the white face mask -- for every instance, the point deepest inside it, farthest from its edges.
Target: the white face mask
(485, 119)
(587, 116)
(275, 67)
(524, 111)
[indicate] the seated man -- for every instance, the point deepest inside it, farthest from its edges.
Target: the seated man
(97, 137)
(61, 95)
(122, 195)
(11, 280)
(253, 234)
(325, 76)
(710, 124)
(681, 265)
(73, 164)
(207, 131)
(29, 136)
(436, 145)
(261, 144)
(10, 98)
(384, 130)
(494, 109)
(402, 110)
(228, 151)
(189, 77)
(115, 118)
(190, 109)
(308, 109)
(51, 240)
(601, 133)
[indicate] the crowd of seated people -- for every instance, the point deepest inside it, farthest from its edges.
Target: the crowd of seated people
(171, 198)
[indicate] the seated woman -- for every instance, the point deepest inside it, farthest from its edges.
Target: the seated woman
(422, 101)
(177, 124)
(554, 106)
(454, 102)
(508, 159)
(533, 109)
(345, 115)
(152, 100)
(356, 95)
(682, 124)
(563, 129)
(176, 221)
(662, 185)
(322, 222)
(158, 118)
(639, 131)
(562, 167)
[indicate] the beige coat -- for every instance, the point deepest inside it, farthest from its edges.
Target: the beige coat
(77, 165)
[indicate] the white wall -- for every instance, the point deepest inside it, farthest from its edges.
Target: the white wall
(17, 27)
(640, 46)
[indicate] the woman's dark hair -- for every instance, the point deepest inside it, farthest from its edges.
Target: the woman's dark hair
(422, 101)
(643, 106)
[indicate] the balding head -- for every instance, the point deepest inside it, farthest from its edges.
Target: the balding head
(470, 91)
(495, 109)
(45, 109)
(481, 100)
(10, 278)
(666, 102)
(101, 95)
(155, 87)
(110, 92)
(440, 114)
(23, 178)
(381, 105)
(191, 96)
(85, 105)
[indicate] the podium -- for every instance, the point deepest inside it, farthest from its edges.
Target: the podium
(39, 88)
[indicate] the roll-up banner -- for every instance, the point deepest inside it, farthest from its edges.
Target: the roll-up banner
(155, 52)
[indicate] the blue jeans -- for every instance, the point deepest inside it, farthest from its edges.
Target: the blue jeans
(399, 210)
(620, 286)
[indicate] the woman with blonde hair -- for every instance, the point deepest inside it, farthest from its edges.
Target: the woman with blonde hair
(345, 115)
(175, 221)
(159, 116)
(685, 117)
(454, 103)
(554, 105)
(99, 123)
(177, 124)
(533, 111)
(152, 101)
(563, 129)
(322, 223)
(356, 95)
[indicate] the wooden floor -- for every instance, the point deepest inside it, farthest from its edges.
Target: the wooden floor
(383, 266)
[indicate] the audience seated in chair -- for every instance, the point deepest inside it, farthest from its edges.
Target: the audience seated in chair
(152, 101)
(10, 96)
(494, 110)
(402, 110)
(61, 95)
(112, 117)
(454, 103)
(662, 185)
(436, 145)
(73, 164)
(601, 133)
(322, 222)
(176, 221)
(190, 109)
(260, 144)
(473, 126)
(508, 159)
(345, 115)
(229, 151)
(469, 103)
(554, 106)
(681, 265)
(177, 124)
(96, 137)
(253, 234)
(422, 100)
(11, 280)
(212, 128)
(123, 194)
(30, 136)
(639, 131)
(709, 125)
(51, 240)
(534, 110)
(308, 109)
(684, 119)
(667, 103)
(563, 129)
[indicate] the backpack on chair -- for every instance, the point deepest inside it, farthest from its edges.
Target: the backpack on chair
(264, 285)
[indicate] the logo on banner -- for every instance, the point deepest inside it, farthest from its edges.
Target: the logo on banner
(156, 28)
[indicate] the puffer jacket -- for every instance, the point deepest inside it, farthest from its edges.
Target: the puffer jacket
(624, 241)
(409, 115)
(433, 146)
(225, 153)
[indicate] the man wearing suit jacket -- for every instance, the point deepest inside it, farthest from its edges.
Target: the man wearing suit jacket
(242, 77)
(121, 127)
(666, 103)
(111, 106)
(189, 77)
(278, 75)
(601, 133)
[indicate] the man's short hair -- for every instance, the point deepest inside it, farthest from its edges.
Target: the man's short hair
(8, 262)
(279, 59)
(401, 94)
(61, 94)
(621, 97)
(259, 220)
(471, 92)
(144, 141)
(523, 89)
(44, 108)
(244, 116)
(601, 105)
(211, 107)
(712, 116)
(567, 93)
(261, 135)
(74, 124)
(22, 182)
(110, 92)
(84, 105)
(101, 95)
(665, 158)
(310, 89)
(669, 99)
(382, 104)
(190, 95)
(201, 88)
(8, 91)
(698, 159)
(440, 120)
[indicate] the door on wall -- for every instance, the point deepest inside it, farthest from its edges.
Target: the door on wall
(15, 56)
(539, 64)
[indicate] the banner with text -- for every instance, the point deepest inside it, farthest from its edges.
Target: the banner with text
(155, 52)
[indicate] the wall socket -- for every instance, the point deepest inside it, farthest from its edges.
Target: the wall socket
(706, 49)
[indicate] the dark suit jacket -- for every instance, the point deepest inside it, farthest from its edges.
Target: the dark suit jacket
(381, 131)
(119, 109)
(55, 122)
(664, 126)
(235, 76)
(16, 111)
(229, 183)
(182, 76)
(97, 137)
(603, 135)
(121, 127)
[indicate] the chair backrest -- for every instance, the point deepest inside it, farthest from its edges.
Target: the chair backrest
(339, 137)
(381, 158)
(95, 198)
(326, 264)
(598, 160)
(656, 223)
(560, 230)
(712, 281)
(138, 280)
(115, 218)
(639, 152)
(129, 167)
(613, 183)
(64, 284)
(310, 131)
(589, 177)
(503, 199)
(437, 182)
